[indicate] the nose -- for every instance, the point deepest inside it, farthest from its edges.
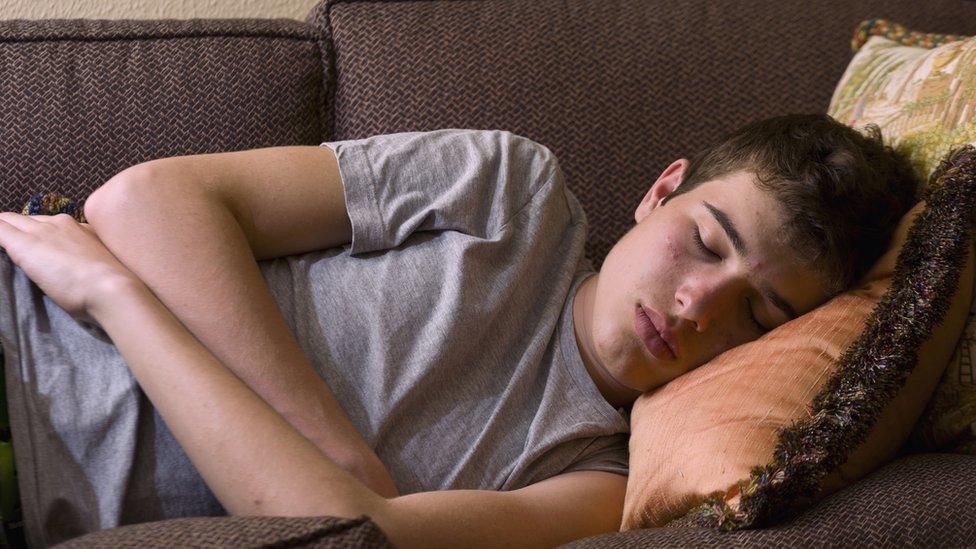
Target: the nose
(704, 297)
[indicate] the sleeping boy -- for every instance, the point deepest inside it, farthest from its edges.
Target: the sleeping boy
(405, 326)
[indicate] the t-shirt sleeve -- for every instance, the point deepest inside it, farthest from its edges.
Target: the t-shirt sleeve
(471, 181)
(607, 453)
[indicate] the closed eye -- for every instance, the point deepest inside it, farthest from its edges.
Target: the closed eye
(752, 316)
(701, 244)
(696, 234)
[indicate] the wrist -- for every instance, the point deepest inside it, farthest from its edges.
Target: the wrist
(112, 292)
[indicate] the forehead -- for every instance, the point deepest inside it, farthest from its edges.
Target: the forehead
(756, 214)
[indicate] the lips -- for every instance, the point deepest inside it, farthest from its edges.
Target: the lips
(654, 332)
(656, 344)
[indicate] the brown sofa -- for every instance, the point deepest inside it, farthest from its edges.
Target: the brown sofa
(616, 89)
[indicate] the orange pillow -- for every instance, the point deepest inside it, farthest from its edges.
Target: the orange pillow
(702, 433)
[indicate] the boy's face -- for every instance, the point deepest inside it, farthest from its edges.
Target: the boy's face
(703, 302)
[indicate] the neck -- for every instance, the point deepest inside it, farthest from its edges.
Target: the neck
(617, 394)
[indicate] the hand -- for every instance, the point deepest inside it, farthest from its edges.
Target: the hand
(66, 259)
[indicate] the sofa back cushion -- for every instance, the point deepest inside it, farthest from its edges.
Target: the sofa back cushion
(81, 100)
(617, 89)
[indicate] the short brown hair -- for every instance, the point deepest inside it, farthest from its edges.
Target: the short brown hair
(842, 191)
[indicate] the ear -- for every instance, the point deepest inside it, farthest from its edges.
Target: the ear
(667, 182)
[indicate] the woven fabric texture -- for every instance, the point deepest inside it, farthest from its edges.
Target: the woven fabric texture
(84, 99)
(912, 502)
(617, 89)
(239, 531)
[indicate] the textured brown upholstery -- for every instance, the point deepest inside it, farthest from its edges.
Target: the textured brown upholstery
(81, 100)
(318, 532)
(916, 501)
(616, 88)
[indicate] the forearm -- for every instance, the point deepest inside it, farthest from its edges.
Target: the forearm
(255, 462)
(191, 253)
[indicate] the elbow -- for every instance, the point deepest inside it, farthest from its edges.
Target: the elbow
(377, 509)
(126, 192)
(106, 197)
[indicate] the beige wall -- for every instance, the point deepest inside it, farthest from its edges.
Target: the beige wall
(154, 9)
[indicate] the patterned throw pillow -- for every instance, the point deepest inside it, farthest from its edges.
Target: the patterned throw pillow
(924, 101)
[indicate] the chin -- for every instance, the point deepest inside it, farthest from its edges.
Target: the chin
(633, 371)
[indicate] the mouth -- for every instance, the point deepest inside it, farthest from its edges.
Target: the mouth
(655, 334)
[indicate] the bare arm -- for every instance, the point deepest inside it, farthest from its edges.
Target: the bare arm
(217, 419)
(178, 234)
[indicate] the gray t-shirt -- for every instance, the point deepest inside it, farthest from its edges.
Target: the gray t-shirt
(445, 330)
(449, 339)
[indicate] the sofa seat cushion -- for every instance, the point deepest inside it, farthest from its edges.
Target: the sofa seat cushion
(239, 531)
(911, 502)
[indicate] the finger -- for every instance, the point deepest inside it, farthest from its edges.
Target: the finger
(22, 222)
(7, 228)
(56, 218)
(43, 218)
(8, 233)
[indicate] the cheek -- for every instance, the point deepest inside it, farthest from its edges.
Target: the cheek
(732, 336)
(713, 345)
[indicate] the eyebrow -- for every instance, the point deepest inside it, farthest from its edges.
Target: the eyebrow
(740, 246)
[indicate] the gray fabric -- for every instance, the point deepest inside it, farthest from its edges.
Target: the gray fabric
(443, 328)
